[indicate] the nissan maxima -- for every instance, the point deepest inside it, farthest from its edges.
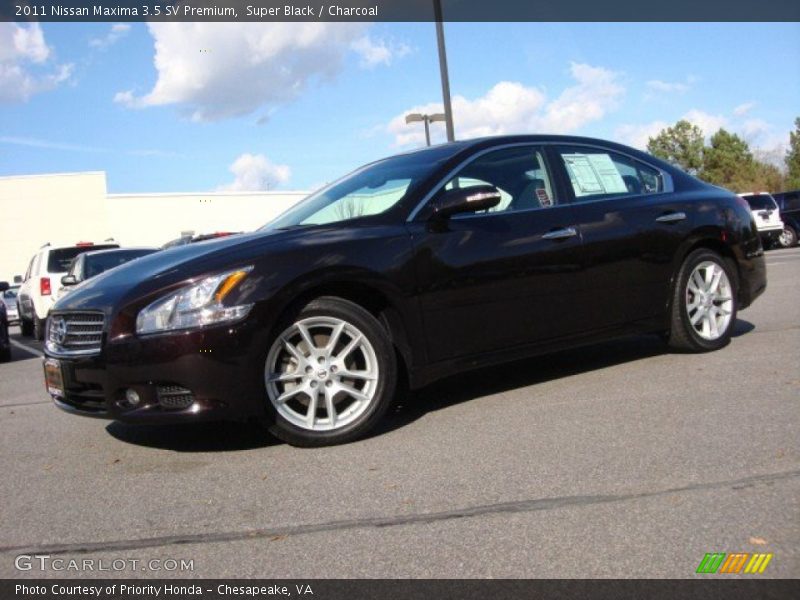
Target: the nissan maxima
(407, 270)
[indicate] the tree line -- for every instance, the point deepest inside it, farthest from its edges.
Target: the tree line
(726, 160)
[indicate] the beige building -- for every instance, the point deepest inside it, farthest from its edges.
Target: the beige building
(66, 208)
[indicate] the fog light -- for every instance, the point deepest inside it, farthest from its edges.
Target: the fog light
(132, 397)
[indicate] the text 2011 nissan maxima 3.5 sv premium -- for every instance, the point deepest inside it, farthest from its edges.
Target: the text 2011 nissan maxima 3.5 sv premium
(408, 269)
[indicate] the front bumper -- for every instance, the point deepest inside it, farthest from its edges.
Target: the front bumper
(215, 365)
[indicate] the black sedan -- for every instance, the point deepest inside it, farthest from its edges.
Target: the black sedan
(404, 271)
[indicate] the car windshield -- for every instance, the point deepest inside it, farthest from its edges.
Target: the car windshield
(761, 202)
(60, 258)
(94, 265)
(371, 190)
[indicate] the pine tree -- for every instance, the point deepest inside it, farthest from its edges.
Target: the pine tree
(681, 145)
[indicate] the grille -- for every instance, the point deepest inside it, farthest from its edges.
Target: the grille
(174, 397)
(75, 333)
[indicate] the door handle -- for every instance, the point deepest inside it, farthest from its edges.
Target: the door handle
(560, 234)
(672, 217)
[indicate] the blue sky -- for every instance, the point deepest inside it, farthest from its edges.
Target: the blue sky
(199, 107)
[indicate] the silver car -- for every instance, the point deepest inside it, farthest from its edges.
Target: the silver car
(10, 300)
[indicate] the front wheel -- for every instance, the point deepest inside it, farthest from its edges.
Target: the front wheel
(788, 237)
(329, 374)
(704, 303)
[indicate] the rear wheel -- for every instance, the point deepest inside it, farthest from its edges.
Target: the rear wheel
(25, 325)
(38, 326)
(329, 375)
(704, 303)
(788, 238)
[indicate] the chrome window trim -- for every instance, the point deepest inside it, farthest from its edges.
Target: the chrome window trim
(669, 186)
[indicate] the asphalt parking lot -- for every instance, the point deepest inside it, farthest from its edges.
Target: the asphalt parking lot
(618, 460)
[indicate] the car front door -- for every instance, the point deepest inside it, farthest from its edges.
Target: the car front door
(631, 226)
(496, 279)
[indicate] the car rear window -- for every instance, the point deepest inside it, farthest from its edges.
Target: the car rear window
(95, 265)
(761, 202)
(59, 259)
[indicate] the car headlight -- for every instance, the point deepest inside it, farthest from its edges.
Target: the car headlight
(196, 305)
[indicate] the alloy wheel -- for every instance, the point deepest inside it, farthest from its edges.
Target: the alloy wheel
(321, 373)
(709, 300)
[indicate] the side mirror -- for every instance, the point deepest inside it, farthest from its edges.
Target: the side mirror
(17, 279)
(4, 286)
(68, 280)
(464, 200)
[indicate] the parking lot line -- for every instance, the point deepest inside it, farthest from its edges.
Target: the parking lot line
(25, 348)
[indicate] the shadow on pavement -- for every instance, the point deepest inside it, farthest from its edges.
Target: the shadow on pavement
(231, 436)
(497, 379)
(195, 437)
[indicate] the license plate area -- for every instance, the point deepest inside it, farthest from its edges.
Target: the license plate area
(53, 377)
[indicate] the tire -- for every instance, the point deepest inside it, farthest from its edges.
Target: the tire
(25, 326)
(292, 372)
(38, 326)
(692, 301)
(788, 238)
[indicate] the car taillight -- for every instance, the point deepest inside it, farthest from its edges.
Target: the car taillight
(44, 286)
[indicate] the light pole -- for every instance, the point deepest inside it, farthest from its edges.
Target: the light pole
(427, 119)
(448, 109)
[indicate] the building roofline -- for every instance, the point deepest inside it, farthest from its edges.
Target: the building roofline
(68, 174)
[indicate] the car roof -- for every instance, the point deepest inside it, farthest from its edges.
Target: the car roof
(115, 250)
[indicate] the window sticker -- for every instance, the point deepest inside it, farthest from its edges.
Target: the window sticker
(592, 174)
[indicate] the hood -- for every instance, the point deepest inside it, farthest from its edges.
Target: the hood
(163, 270)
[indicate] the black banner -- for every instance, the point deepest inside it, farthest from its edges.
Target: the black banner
(397, 10)
(375, 589)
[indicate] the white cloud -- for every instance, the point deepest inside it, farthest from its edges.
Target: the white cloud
(220, 70)
(597, 91)
(511, 107)
(24, 55)
(255, 172)
(115, 33)
(378, 52)
(708, 123)
(47, 144)
(743, 109)
(638, 135)
(667, 87)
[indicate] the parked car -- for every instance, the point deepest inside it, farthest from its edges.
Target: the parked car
(5, 340)
(789, 205)
(90, 264)
(407, 270)
(766, 215)
(9, 298)
(188, 239)
(39, 290)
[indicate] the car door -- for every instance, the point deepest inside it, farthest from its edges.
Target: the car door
(493, 280)
(631, 226)
(24, 300)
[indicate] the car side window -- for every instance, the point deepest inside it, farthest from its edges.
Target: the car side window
(792, 202)
(519, 173)
(30, 268)
(596, 173)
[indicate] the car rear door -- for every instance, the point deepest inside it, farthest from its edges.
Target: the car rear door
(494, 280)
(631, 226)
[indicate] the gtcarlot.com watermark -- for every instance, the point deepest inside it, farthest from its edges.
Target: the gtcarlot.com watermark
(47, 563)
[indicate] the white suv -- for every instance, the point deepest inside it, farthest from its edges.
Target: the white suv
(42, 280)
(767, 216)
